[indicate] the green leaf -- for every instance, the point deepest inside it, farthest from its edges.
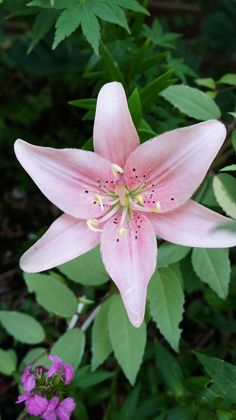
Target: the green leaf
(149, 93)
(170, 370)
(170, 254)
(89, 104)
(166, 303)
(43, 23)
(228, 79)
(36, 356)
(130, 405)
(224, 186)
(85, 378)
(128, 342)
(224, 415)
(101, 343)
(52, 294)
(67, 23)
(192, 102)
(228, 168)
(207, 82)
(22, 327)
(132, 5)
(222, 373)
(106, 12)
(7, 361)
(233, 114)
(70, 347)
(88, 269)
(135, 107)
(187, 412)
(90, 26)
(233, 138)
(110, 65)
(213, 267)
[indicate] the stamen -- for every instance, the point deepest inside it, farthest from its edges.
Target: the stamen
(98, 200)
(92, 225)
(116, 170)
(122, 231)
(139, 199)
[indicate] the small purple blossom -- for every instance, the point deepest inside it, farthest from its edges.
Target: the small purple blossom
(36, 405)
(61, 411)
(27, 380)
(39, 386)
(66, 370)
(65, 408)
(56, 367)
(69, 373)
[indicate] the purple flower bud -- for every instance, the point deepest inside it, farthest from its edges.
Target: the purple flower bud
(36, 405)
(56, 367)
(68, 372)
(28, 381)
(65, 409)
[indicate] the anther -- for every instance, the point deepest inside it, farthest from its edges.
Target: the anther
(116, 170)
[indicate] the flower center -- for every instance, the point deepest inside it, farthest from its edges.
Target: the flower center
(122, 200)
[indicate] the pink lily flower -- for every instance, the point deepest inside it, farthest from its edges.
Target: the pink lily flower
(125, 194)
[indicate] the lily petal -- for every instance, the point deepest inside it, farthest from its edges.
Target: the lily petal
(67, 238)
(175, 163)
(70, 178)
(193, 225)
(114, 134)
(130, 260)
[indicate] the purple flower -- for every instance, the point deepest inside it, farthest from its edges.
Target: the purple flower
(65, 409)
(56, 367)
(66, 370)
(27, 380)
(50, 412)
(69, 373)
(36, 405)
(22, 398)
(56, 410)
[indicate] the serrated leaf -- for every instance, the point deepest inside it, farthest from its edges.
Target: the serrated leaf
(228, 79)
(224, 186)
(67, 23)
(101, 343)
(52, 294)
(166, 303)
(105, 12)
(213, 267)
(128, 342)
(70, 347)
(192, 102)
(7, 361)
(222, 373)
(90, 26)
(43, 23)
(88, 269)
(170, 253)
(22, 327)
(132, 5)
